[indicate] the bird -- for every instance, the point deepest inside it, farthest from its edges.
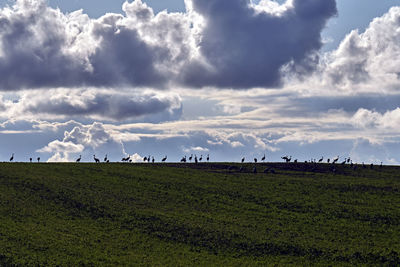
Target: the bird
(286, 158)
(328, 160)
(335, 160)
(344, 162)
(105, 158)
(145, 159)
(183, 160)
(191, 157)
(96, 159)
(201, 158)
(38, 159)
(255, 160)
(79, 159)
(243, 159)
(12, 157)
(208, 157)
(30, 160)
(164, 159)
(195, 159)
(152, 159)
(320, 160)
(148, 158)
(263, 158)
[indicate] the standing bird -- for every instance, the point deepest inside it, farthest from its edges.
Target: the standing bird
(201, 158)
(255, 160)
(96, 159)
(30, 160)
(164, 159)
(243, 159)
(208, 157)
(79, 159)
(12, 157)
(320, 160)
(152, 159)
(145, 159)
(105, 158)
(195, 159)
(191, 157)
(38, 159)
(263, 158)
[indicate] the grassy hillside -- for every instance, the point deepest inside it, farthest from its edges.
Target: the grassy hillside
(186, 214)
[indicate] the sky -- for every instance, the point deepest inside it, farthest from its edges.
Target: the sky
(228, 78)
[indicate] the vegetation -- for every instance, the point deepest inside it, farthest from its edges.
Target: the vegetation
(206, 214)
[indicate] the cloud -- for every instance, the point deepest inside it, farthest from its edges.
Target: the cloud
(245, 46)
(93, 104)
(62, 150)
(368, 61)
(206, 46)
(40, 47)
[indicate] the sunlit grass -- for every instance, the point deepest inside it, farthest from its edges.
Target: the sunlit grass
(174, 214)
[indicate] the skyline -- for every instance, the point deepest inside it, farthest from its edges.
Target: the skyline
(231, 79)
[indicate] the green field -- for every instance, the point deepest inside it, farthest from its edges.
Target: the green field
(206, 214)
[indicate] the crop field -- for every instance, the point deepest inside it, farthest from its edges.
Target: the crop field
(207, 214)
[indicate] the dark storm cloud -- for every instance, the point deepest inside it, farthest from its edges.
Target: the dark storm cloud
(244, 48)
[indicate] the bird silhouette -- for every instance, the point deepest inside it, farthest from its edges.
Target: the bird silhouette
(12, 157)
(201, 158)
(96, 159)
(79, 159)
(320, 160)
(191, 157)
(164, 159)
(263, 158)
(152, 159)
(30, 160)
(208, 157)
(38, 159)
(145, 159)
(243, 159)
(195, 159)
(105, 158)
(255, 160)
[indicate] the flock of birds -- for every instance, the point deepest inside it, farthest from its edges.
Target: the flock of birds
(195, 159)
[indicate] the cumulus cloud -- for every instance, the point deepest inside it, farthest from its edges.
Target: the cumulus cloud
(368, 61)
(206, 46)
(42, 47)
(244, 46)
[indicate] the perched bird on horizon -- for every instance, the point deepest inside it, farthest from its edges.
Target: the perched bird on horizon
(263, 158)
(38, 159)
(320, 160)
(30, 160)
(96, 159)
(79, 159)
(191, 157)
(208, 157)
(105, 158)
(255, 160)
(12, 157)
(243, 159)
(164, 159)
